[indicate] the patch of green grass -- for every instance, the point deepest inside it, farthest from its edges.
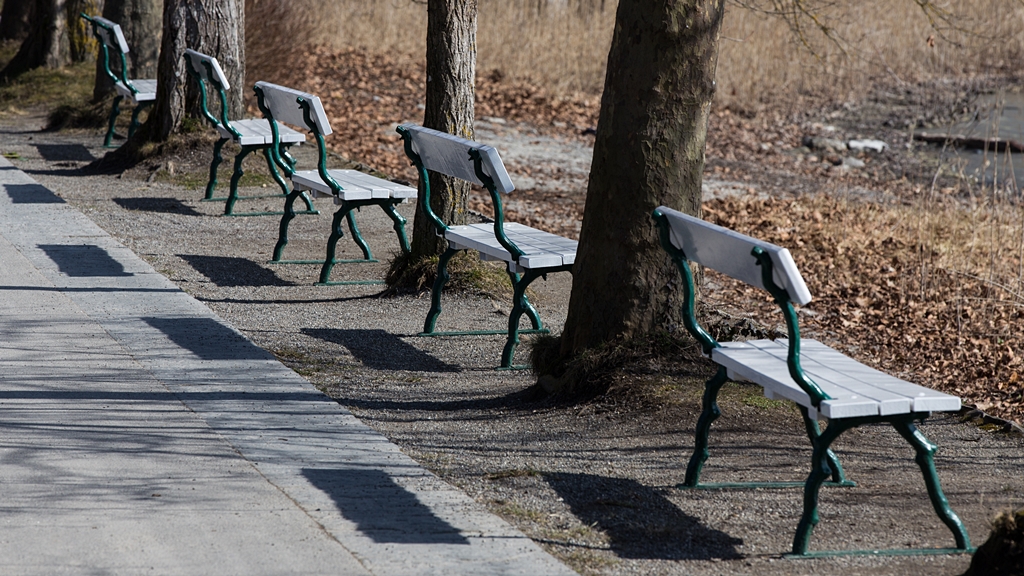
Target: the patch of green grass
(52, 87)
(759, 401)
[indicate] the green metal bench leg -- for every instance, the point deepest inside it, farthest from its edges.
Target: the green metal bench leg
(813, 432)
(229, 206)
(287, 157)
(519, 306)
(708, 415)
(274, 173)
(819, 472)
(435, 293)
(350, 217)
(114, 111)
(135, 119)
(925, 460)
(217, 159)
(399, 226)
(345, 212)
(531, 312)
(286, 218)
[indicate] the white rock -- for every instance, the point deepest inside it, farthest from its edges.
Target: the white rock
(872, 145)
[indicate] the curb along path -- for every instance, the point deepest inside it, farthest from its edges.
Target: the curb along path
(139, 431)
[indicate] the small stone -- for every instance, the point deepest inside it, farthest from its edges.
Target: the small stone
(867, 145)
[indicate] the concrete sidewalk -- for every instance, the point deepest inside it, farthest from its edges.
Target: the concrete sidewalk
(139, 432)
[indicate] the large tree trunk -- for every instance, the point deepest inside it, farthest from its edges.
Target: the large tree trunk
(451, 73)
(649, 151)
(15, 18)
(142, 24)
(214, 27)
(47, 42)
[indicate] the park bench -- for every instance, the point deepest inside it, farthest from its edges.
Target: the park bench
(251, 134)
(350, 189)
(820, 380)
(141, 93)
(528, 253)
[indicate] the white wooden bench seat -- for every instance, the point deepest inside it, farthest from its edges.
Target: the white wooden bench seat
(355, 185)
(256, 132)
(853, 388)
(252, 134)
(350, 189)
(822, 381)
(145, 90)
(529, 253)
(141, 93)
(540, 249)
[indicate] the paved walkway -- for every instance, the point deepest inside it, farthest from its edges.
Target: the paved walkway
(140, 432)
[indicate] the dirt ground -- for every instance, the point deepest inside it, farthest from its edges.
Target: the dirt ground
(595, 482)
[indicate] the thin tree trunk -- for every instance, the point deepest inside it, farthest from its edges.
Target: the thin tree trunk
(47, 42)
(142, 24)
(15, 18)
(451, 73)
(649, 151)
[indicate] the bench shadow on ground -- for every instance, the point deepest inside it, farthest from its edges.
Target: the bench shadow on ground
(380, 350)
(381, 509)
(233, 272)
(65, 152)
(31, 194)
(83, 260)
(159, 205)
(640, 522)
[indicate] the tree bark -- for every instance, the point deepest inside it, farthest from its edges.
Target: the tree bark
(47, 42)
(15, 19)
(81, 42)
(649, 151)
(451, 73)
(142, 24)
(214, 27)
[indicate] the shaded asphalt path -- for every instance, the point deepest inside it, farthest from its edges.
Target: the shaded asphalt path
(140, 432)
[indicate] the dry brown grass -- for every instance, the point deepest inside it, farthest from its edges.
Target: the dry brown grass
(762, 62)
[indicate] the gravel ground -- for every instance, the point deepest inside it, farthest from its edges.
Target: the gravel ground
(595, 483)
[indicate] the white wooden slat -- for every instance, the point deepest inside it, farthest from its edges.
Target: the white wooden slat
(392, 189)
(283, 104)
(197, 59)
(923, 399)
(541, 249)
(856, 389)
(310, 180)
(256, 132)
(146, 90)
(836, 371)
(116, 42)
(729, 253)
(448, 154)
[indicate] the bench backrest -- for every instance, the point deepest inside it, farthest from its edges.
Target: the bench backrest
(111, 41)
(448, 154)
(730, 253)
(207, 68)
(283, 104)
(110, 34)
